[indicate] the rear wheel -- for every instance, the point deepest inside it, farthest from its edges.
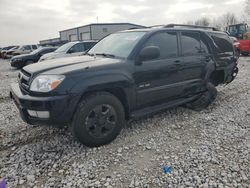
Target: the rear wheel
(205, 99)
(98, 119)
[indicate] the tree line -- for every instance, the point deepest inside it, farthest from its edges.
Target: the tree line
(226, 19)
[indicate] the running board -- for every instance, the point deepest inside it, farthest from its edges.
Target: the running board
(159, 107)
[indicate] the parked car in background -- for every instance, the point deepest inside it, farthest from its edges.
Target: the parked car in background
(9, 52)
(25, 49)
(70, 49)
(3, 51)
(20, 61)
(126, 75)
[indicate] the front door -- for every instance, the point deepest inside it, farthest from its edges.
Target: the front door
(156, 79)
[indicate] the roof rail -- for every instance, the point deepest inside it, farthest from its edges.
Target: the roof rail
(152, 26)
(191, 26)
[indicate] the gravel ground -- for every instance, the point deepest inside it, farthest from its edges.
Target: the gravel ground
(210, 148)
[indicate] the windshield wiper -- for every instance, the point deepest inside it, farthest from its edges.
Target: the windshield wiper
(105, 55)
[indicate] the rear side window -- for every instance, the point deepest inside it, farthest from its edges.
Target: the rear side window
(167, 42)
(222, 42)
(190, 43)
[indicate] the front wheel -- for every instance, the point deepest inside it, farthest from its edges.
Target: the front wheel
(205, 99)
(98, 119)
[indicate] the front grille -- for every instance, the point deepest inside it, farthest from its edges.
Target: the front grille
(23, 79)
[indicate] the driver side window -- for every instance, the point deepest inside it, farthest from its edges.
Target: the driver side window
(167, 43)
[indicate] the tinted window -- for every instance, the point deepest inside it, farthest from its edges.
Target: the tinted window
(204, 47)
(34, 46)
(167, 42)
(78, 48)
(190, 43)
(222, 42)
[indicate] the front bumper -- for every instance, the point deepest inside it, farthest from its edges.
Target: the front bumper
(16, 63)
(60, 108)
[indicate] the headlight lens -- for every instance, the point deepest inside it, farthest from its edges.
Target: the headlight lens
(46, 83)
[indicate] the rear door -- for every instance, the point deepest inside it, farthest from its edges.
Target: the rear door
(195, 57)
(157, 80)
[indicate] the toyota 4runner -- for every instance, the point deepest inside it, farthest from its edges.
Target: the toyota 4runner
(126, 75)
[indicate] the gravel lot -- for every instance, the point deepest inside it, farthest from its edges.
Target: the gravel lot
(210, 148)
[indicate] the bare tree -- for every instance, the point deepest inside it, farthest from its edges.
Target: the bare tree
(223, 21)
(246, 14)
(247, 7)
(229, 19)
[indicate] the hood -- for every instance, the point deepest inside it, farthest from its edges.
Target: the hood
(68, 64)
(23, 56)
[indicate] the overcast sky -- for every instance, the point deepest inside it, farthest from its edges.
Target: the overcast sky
(28, 21)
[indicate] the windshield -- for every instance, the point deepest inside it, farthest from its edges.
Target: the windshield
(64, 47)
(117, 44)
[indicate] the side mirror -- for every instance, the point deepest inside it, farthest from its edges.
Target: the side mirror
(149, 53)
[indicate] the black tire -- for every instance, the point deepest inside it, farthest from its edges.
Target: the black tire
(90, 126)
(205, 99)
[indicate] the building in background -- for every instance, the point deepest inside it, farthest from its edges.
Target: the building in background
(52, 42)
(89, 32)
(95, 31)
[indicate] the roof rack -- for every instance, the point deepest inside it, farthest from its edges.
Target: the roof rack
(191, 26)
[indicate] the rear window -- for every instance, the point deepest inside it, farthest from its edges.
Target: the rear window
(222, 42)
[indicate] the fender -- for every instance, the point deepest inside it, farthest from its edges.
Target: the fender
(107, 81)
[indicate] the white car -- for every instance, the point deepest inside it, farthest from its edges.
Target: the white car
(25, 49)
(69, 49)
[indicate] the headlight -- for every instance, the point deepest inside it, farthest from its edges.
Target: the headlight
(46, 83)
